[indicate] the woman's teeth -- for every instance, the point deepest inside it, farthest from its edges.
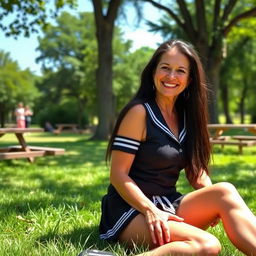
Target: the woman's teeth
(169, 85)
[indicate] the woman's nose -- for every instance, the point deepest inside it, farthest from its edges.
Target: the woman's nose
(171, 73)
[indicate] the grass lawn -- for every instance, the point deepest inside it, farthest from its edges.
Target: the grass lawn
(52, 206)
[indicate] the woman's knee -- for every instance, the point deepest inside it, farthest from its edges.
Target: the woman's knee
(209, 245)
(226, 188)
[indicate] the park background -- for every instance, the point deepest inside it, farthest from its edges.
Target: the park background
(52, 207)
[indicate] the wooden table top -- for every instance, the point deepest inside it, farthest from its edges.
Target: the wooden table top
(231, 125)
(20, 130)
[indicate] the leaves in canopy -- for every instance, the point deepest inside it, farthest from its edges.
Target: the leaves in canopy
(26, 16)
(68, 51)
(15, 84)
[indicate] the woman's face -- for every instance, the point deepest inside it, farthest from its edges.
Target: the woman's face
(171, 76)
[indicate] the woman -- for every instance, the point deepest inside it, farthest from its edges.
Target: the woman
(20, 116)
(161, 131)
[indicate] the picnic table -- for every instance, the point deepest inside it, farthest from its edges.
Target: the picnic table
(70, 127)
(217, 130)
(23, 150)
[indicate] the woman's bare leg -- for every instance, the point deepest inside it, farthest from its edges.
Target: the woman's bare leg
(185, 239)
(202, 206)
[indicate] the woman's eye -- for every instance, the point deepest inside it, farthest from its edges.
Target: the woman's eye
(181, 71)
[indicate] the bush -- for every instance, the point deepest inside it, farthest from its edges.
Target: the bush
(63, 113)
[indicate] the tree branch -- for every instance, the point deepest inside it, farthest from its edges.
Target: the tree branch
(97, 5)
(170, 12)
(112, 10)
(216, 15)
(189, 28)
(227, 10)
(238, 18)
(201, 20)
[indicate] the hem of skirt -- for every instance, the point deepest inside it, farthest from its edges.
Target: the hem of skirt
(114, 237)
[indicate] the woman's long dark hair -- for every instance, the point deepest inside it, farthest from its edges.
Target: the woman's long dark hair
(193, 100)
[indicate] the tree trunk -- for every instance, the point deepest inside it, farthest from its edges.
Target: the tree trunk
(104, 34)
(2, 114)
(242, 101)
(81, 107)
(224, 97)
(212, 67)
(104, 84)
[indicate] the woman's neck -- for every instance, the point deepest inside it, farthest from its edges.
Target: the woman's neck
(166, 105)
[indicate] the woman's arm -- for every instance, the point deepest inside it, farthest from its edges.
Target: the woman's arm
(134, 126)
(202, 181)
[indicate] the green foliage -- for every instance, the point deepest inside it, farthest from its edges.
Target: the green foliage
(127, 70)
(238, 68)
(15, 85)
(65, 112)
(28, 16)
(68, 52)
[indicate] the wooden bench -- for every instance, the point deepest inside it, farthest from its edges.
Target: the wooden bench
(67, 127)
(244, 137)
(240, 143)
(19, 154)
(12, 152)
(23, 150)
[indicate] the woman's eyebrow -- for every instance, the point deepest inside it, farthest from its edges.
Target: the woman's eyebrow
(165, 63)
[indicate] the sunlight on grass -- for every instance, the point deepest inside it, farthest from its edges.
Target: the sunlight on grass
(52, 206)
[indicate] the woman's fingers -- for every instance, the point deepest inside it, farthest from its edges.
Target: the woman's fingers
(152, 233)
(175, 218)
(166, 232)
(159, 233)
(159, 227)
(150, 218)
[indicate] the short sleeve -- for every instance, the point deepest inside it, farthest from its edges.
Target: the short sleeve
(125, 144)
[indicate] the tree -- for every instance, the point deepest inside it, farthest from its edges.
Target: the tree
(238, 70)
(15, 85)
(105, 14)
(68, 52)
(206, 26)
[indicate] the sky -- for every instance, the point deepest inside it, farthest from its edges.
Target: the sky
(23, 50)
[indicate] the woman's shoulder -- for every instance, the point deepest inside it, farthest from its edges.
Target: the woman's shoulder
(137, 109)
(134, 123)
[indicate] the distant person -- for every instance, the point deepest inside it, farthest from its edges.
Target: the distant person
(48, 127)
(20, 116)
(28, 116)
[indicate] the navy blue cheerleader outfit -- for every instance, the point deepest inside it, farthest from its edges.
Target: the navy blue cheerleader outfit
(156, 168)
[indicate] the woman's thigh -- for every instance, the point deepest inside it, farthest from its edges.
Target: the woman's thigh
(201, 207)
(137, 232)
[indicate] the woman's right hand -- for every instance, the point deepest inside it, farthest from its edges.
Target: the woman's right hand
(157, 221)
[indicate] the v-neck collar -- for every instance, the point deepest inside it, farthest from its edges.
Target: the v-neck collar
(158, 119)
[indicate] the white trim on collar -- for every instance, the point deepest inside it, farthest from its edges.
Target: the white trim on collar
(164, 128)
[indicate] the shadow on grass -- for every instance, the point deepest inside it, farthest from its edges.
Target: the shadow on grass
(88, 237)
(238, 172)
(82, 237)
(56, 195)
(76, 153)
